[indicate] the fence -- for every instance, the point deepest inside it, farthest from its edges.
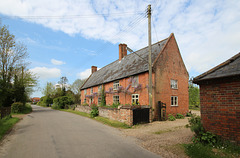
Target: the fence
(5, 111)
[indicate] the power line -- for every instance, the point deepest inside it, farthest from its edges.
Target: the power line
(72, 16)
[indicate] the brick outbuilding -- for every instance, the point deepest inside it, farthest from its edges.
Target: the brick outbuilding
(126, 79)
(220, 99)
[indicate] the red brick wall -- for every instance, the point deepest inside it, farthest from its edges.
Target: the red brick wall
(124, 98)
(220, 107)
(169, 66)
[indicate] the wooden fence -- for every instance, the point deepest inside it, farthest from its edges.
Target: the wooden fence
(5, 111)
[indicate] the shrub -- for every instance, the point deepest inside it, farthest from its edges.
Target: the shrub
(61, 102)
(94, 111)
(17, 107)
(201, 135)
(85, 104)
(171, 117)
(188, 114)
(115, 105)
(179, 116)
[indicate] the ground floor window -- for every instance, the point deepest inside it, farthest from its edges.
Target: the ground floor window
(116, 99)
(90, 101)
(135, 98)
(85, 100)
(174, 101)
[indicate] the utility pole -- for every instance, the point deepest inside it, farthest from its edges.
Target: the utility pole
(149, 56)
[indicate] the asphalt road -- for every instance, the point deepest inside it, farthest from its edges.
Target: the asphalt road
(47, 133)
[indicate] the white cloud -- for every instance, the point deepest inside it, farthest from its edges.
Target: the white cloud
(57, 62)
(46, 73)
(207, 31)
(84, 74)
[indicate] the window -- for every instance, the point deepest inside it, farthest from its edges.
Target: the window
(100, 89)
(135, 98)
(99, 100)
(85, 91)
(174, 101)
(116, 99)
(174, 84)
(91, 91)
(115, 85)
(134, 81)
(90, 101)
(85, 100)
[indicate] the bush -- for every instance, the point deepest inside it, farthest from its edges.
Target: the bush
(171, 117)
(115, 105)
(188, 114)
(201, 136)
(94, 111)
(179, 116)
(61, 102)
(17, 107)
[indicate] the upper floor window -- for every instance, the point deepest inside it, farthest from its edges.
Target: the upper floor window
(100, 89)
(91, 91)
(115, 85)
(85, 91)
(135, 81)
(174, 84)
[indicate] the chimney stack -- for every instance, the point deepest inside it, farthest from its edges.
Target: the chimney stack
(94, 69)
(122, 51)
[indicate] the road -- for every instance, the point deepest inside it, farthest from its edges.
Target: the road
(47, 133)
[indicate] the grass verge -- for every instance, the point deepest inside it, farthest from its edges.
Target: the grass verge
(26, 110)
(6, 124)
(199, 151)
(103, 120)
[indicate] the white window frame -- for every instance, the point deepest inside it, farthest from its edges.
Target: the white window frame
(100, 89)
(99, 100)
(85, 91)
(116, 99)
(135, 84)
(174, 100)
(91, 92)
(174, 84)
(135, 98)
(116, 85)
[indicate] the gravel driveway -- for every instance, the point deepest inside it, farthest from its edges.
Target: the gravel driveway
(166, 142)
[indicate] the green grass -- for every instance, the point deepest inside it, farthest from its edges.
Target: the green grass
(199, 151)
(6, 124)
(103, 120)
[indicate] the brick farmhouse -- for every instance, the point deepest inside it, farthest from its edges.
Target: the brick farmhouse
(125, 80)
(220, 99)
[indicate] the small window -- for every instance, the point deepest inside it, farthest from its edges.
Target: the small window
(100, 89)
(91, 91)
(135, 98)
(85, 100)
(90, 101)
(134, 81)
(174, 101)
(85, 91)
(174, 84)
(99, 100)
(115, 85)
(116, 99)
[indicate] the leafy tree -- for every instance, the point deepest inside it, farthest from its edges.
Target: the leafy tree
(15, 80)
(49, 89)
(194, 96)
(63, 82)
(75, 87)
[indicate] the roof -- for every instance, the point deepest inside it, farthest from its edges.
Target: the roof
(229, 68)
(130, 65)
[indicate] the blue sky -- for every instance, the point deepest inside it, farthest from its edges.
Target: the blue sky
(67, 37)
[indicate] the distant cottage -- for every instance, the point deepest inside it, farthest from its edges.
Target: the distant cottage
(125, 80)
(220, 99)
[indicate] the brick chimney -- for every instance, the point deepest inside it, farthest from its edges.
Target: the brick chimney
(122, 51)
(94, 69)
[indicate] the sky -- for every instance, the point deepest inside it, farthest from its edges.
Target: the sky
(67, 37)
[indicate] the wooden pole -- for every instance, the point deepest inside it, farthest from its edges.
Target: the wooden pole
(149, 56)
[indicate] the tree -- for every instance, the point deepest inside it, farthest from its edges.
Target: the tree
(15, 80)
(63, 82)
(194, 96)
(75, 87)
(49, 89)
